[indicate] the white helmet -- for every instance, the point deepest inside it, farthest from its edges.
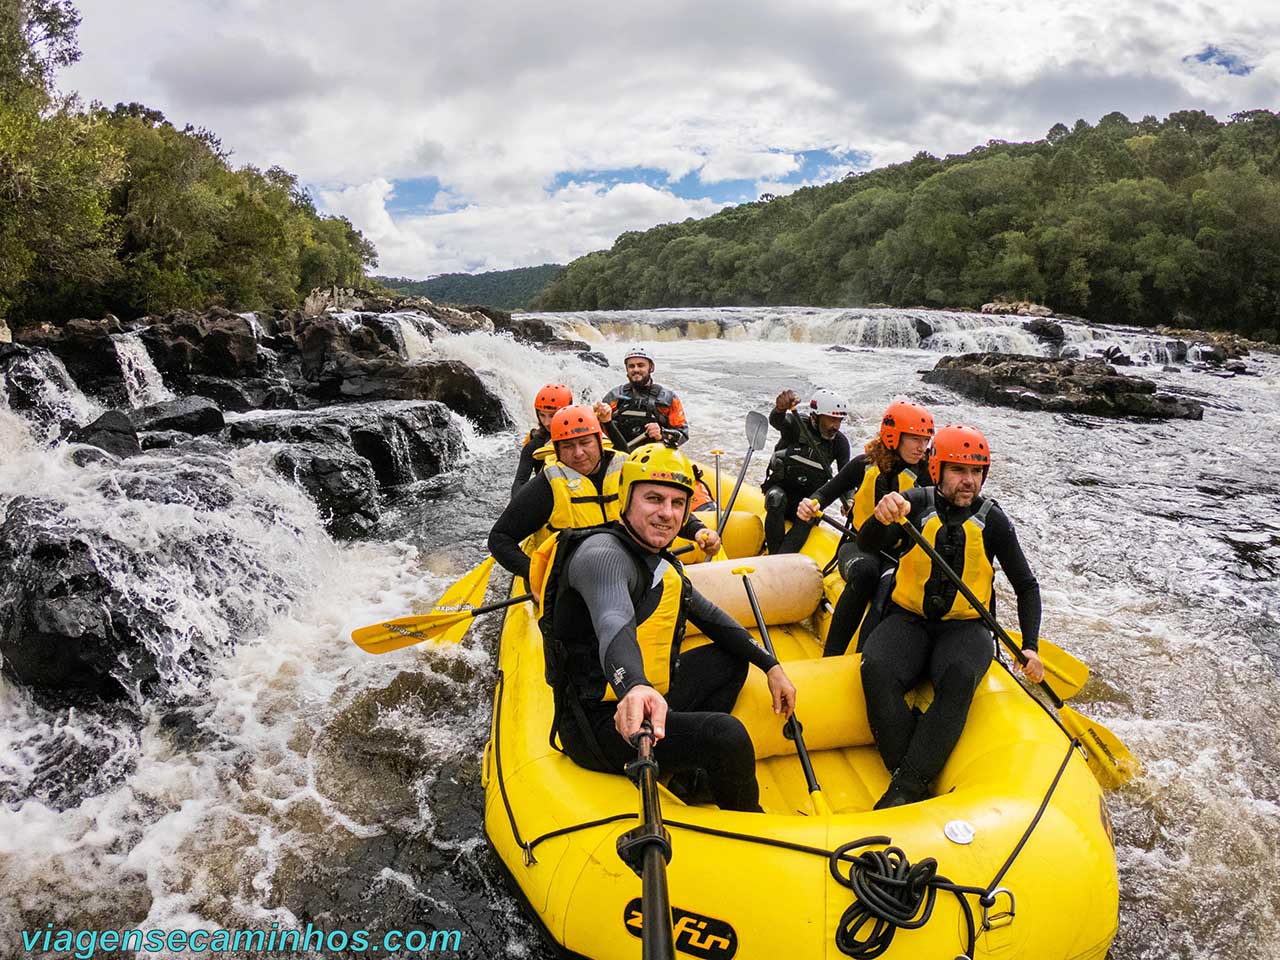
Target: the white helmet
(825, 403)
(638, 351)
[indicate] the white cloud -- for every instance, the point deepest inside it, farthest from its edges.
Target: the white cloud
(496, 100)
(553, 228)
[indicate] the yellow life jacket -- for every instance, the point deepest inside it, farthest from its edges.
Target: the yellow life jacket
(659, 627)
(915, 568)
(864, 501)
(578, 503)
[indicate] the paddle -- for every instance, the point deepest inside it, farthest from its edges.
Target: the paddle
(647, 850)
(450, 618)
(792, 729)
(1109, 759)
(716, 453)
(1065, 673)
(757, 431)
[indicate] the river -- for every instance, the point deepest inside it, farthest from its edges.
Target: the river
(301, 779)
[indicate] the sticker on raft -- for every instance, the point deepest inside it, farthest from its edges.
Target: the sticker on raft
(696, 935)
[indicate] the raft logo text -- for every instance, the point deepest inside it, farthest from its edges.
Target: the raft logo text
(87, 944)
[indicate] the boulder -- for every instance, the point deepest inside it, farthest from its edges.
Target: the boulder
(1046, 330)
(113, 432)
(402, 442)
(1023, 308)
(195, 415)
(340, 481)
(1089, 386)
(215, 343)
(87, 351)
(62, 625)
(594, 356)
(345, 363)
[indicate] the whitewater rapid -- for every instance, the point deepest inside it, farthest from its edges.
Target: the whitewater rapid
(304, 778)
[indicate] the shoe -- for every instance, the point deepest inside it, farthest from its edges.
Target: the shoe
(904, 788)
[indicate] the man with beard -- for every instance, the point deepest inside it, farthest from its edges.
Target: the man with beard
(809, 444)
(576, 489)
(643, 411)
(930, 630)
(613, 608)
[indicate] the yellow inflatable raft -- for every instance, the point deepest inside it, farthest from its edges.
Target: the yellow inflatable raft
(1025, 866)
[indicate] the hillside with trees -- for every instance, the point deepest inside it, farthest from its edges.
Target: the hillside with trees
(119, 210)
(505, 289)
(1142, 222)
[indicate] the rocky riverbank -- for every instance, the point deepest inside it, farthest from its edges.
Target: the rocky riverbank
(162, 407)
(1087, 386)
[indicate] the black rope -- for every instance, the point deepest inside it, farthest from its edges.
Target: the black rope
(497, 762)
(986, 899)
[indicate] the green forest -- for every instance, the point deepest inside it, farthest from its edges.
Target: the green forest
(119, 210)
(1143, 222)
(505, 289)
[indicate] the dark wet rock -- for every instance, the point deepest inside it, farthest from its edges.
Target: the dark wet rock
(163, 439)
(1069, 353)
(345, 365)
(252, 393)
(402, 442)
(1210, 354)
(594, 356)
(1235, 366)
(566, 346)
(61, 625)
(195, 415)
(524, 329)
(838, 348)
(87, 351)
(113, 432)
(1087, 386)
(1046, 330)
(38, 387)
(215, 343)
(1115, 355)
(924, 329)
(1168, 368)
(340, 481)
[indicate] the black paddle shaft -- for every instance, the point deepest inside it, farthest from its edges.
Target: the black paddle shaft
(977, 604)
(792, 728)
(647, 850)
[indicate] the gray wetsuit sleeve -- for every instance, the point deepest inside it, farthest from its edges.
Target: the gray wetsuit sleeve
(605, 575)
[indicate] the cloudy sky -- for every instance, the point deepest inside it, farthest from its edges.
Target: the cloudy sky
(481, 136)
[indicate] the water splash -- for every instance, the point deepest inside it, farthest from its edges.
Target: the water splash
(40, 389)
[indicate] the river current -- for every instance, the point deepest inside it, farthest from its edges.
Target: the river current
(303, 780)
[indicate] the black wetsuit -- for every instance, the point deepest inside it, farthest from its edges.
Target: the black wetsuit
(783, 493)
(700, 731)
(953, 654)
(863, 572)
(528, 466)
(529, 511)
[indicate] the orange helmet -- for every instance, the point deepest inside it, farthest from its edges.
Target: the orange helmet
(956, 443)
(903, 416)
(570, 422)
(552, 397)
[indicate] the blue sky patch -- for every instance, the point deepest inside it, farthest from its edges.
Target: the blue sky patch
(413, 195)
(821, 165)
(1216, 56)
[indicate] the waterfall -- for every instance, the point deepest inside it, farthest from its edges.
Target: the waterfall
(142, 381)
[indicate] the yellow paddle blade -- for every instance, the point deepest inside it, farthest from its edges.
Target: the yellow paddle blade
(1063, 672)
(1109, 759)
(447, 622)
